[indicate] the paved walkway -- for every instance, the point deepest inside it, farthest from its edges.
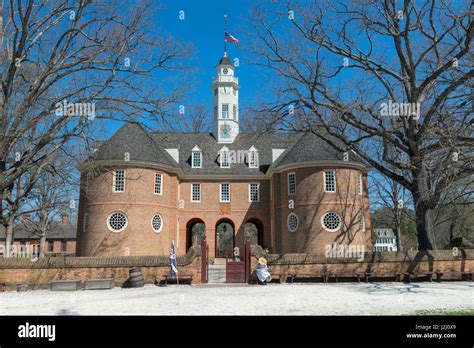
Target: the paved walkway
(275, 299)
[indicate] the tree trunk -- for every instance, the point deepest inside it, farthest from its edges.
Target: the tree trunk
(424, 224)
(9, 237)
(399, 235)
(42, 244)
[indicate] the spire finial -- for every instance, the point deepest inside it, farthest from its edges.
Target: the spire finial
(225, 29)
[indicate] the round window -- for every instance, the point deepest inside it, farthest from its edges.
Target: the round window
(117, 222)
(331, 221)
(157, 223)
(292, 222)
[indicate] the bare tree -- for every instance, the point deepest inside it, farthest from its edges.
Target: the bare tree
(51, 197)
(388, 194)
(390, 80)
(454, 216)
(64, 65)
(192, 118)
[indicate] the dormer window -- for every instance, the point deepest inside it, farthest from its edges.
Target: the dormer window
(196, 157)
(253, 157)
(224, 157)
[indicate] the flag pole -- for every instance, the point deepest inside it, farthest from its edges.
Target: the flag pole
(225, 29)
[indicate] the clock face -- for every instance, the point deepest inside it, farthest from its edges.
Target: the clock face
(225, 71)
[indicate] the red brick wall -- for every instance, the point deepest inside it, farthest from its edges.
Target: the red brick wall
(39, 274)
(310, 205)
(140, 203)
(388, 263)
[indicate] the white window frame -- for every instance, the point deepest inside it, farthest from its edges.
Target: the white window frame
(253, 158)
(221, 191)
(225, 112)
(224, 154)
(359, 184)
(328, 229)
(362, 222)
(250, 192)
(114, 184)
(85, 223)
(88, 184)
(293, 191)
(161, 225)
(288, 222)
(110, 227)
(326, 182)
(196, 154)
(192, 191)
(158, 185)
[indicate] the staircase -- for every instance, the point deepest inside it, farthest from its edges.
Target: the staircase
(217, 271)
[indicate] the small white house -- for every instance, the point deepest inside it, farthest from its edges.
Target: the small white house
(386, 240)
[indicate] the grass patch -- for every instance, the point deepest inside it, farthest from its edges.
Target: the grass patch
(461, 312)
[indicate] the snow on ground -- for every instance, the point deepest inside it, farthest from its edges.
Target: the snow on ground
(274, 299)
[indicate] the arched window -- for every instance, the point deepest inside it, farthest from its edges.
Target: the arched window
(253, 157)
(196, 157)
(224, 157)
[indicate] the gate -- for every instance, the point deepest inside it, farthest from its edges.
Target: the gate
(238, 268)
(204, 260)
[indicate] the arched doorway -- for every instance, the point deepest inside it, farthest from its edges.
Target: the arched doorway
(195, 230)
(224, 238)
(253, 228)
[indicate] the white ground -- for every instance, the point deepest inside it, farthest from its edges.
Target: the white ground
(275, 299)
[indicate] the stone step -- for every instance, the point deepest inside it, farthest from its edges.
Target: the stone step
(217, 268)
(217, 273)
(219, 261)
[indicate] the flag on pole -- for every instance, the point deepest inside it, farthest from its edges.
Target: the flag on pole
(230, 38)
(174, 267)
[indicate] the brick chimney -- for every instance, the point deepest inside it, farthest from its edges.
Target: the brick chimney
(64, 218)
(26, 217)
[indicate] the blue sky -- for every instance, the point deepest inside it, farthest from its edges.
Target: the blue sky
(203, 28)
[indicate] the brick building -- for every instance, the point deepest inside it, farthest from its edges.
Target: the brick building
(60, 237)
(290, 192)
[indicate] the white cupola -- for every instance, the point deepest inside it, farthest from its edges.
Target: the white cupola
(225, 102)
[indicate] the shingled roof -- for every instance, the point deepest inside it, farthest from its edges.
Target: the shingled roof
(151, 147)
(29, 231)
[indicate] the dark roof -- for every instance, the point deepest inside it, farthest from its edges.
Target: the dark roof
(150, 147)
(225, 61)
(29, 230)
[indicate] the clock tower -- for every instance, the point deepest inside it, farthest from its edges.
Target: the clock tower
(225, 102)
